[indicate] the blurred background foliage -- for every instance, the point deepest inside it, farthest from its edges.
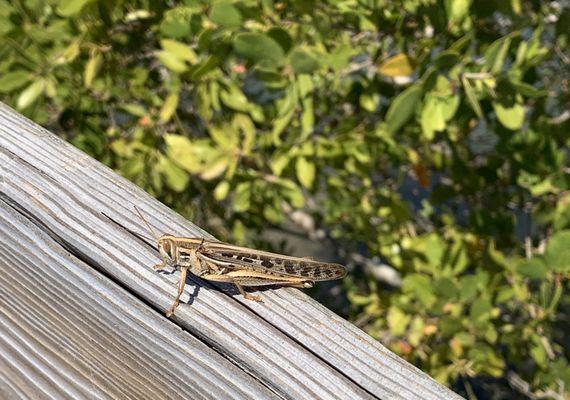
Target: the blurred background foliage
(423, 142)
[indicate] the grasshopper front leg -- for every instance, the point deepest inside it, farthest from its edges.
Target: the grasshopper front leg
(194, 265)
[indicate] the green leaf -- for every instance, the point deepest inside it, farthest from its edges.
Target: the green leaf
(303, 62)
(258, 47)
(305, 172)
(226, 15)
(511, 117)
(185, 153)
(557, 254)
(272, 213)
(402, 108)
(472, 97)
(176, 22)
(468, 286)
(278, 162)
(528, 90)
(538, 353)
(221, 191)
(172, 62)
(13, 80)
(176, 178)
(496, 53)
(398, 65)
(307, 118)
(215, 167)
(179, 50)
(281, 36)
(135, 109)
(481, 310)
(292, 192)
(92, 68)
(533, 268)
(242, 196)
(30, 94)
(397, 321)
(420, 286)
(432, 118)
(67, 8)
(445, 289)
(234, 98)
(340, 57)
(169, 107)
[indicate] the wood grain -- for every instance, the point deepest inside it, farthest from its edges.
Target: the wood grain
(289, 344)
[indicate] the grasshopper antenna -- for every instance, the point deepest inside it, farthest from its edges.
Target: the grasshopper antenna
(146, 223)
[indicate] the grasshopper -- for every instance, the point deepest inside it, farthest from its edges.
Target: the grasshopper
(241, 266)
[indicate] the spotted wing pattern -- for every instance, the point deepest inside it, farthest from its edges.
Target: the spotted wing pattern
(290, 266)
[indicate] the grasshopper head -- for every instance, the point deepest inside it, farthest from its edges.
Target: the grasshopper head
(167, 248)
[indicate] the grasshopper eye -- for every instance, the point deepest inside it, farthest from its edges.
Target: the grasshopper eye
(165, 248)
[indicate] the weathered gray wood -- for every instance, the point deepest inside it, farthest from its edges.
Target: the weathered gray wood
(289, 343)
(68, 332)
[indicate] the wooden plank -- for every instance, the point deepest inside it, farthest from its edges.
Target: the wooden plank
(290, 343)
(66, 331)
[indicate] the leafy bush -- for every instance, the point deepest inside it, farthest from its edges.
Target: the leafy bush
(425, 138)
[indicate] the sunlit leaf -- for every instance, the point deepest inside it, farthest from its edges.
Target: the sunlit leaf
(511, 116)
(67, 8)
(305, 172)
(92, 68)
(30, 94)
(169, 107)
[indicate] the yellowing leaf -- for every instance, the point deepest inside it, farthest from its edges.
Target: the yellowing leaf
(221, 191)
(399, 65)
(181, 150)
(171, 62)
(279, 162)
(234, 98)
(169, 107)
(397, 321)
(305, 172)
(511, 117)
(246, 126)
(91, 68)
(179, 50)
(215, 168)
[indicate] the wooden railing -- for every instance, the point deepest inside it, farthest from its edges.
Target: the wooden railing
(82, 311)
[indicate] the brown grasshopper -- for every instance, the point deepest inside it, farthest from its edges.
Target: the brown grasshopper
(244, 267)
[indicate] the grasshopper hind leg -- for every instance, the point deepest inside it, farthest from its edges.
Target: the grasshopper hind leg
(246, 295)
